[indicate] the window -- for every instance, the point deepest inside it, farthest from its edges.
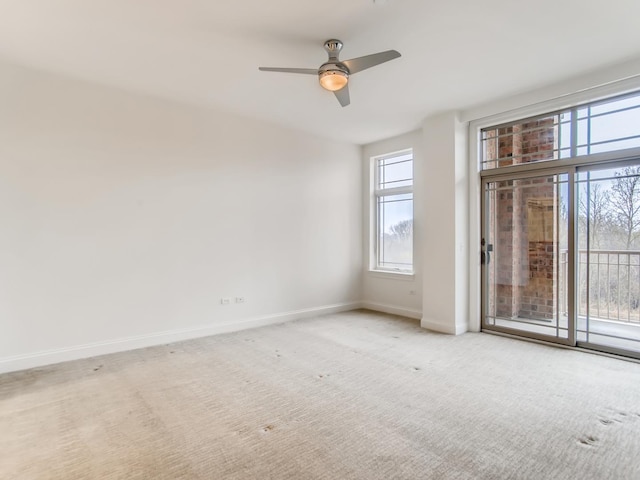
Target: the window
(393, 198)
(602, 126)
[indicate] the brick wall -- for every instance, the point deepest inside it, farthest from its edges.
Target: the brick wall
(522, 221)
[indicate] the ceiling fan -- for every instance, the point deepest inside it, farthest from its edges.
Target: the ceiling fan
(334, 74)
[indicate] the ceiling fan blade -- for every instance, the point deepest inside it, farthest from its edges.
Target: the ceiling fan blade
(308, 71)
(343, 95)
(356, 65)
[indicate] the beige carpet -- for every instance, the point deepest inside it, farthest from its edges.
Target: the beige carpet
(347, 396)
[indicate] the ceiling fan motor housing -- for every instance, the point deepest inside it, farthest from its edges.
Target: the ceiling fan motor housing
(333, 76)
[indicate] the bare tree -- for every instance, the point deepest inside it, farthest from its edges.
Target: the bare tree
(596, 208)
(625, 202)
(402, 230)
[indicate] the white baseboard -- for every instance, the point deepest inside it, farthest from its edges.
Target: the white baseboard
(48, 357)
(392, 309)
(441, 327)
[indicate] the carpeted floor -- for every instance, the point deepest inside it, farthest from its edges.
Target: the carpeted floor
(356, 395)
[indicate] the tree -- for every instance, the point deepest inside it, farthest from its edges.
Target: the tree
(625, 202)
(596, 209)
(402, 230)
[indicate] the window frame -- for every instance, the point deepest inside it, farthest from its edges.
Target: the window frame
(561, 155)
(377, 194)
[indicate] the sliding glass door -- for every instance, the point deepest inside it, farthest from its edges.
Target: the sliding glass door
(608, 253)
(561, 256)
(526, 256)
(561, 225)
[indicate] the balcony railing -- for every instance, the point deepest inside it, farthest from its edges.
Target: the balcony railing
(608, 284)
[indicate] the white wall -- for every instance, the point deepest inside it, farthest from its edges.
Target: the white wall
(445, 249)
(390, 292)
(441, 259)
(125, 219)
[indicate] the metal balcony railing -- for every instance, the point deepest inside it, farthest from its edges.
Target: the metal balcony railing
(608, 284)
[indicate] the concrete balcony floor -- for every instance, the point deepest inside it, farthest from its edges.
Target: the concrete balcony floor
(594, 331)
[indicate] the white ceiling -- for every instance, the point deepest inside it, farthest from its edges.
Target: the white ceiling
(455, 53)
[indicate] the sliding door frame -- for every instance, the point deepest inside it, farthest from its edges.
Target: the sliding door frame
(523, 174)
(570, 167)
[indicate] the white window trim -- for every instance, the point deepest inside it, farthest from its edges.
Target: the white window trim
(374, 268)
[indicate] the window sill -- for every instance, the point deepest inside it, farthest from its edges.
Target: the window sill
(391, 275)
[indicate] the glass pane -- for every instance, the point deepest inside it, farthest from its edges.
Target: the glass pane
(526, 253)
(582, 151)
(395, 232)
(489, 146)
(615, 145)
(565, 131)
(608, 288)
(532, 140)
(619, 104)
(583, 112)
(565, 153)
(609, 131)
(395, 172)
(615, 125)
(583, 132)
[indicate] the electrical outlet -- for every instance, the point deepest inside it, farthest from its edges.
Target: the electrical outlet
(239, 299)
(225, 301)
(412, 292)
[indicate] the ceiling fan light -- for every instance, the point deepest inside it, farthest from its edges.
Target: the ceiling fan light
(333, 80)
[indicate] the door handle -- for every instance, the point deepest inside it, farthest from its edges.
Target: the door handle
(485, 253)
